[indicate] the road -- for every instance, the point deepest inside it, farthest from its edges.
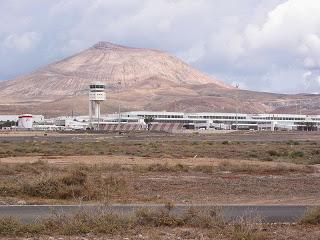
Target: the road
(267, 213)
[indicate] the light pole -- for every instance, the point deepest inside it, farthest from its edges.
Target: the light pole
(237, 107)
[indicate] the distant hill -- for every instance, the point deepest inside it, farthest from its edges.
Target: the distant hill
(138, 79)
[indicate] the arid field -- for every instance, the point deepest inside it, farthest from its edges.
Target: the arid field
(162, 168)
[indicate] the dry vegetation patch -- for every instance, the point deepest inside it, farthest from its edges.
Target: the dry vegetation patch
(295, 152)
(41, 182)
(108, 223)
(256, 168)
(312, 217)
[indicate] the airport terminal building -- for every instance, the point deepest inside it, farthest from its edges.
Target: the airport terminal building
(217, 121)
(163, 121)
(178, 120)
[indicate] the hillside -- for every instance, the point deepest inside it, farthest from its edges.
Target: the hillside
(138, 79)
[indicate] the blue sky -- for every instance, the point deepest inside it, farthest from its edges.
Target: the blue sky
(270, 45)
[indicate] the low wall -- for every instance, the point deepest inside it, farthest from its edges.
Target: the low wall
(128, 127)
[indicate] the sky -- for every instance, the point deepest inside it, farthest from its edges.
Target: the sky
(270, 45)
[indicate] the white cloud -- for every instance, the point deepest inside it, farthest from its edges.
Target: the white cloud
(282, 46)
(291, 31)
(22, 42)
(266, 45)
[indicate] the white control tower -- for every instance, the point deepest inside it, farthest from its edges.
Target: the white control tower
(96, 96)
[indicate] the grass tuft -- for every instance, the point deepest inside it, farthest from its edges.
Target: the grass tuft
(312, 217)
(263, 169)
(75, 184)
(105, 222)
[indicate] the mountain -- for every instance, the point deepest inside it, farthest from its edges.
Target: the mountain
(136, 79)
(115, 65)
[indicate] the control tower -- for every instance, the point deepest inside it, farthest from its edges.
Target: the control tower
(96, 96)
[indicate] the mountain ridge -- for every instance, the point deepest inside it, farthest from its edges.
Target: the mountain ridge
(138, 79)
(108, 63)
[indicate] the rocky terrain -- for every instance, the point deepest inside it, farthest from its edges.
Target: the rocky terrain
(138, 79)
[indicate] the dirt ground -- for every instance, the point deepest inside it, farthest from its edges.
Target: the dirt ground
(303, 152)
(232, 168)
(266, 232)
(196, 168)
(250, 136)
(128, 160)
(161, 181)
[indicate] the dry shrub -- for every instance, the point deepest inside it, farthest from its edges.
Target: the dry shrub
(9, 189)
(10, 226)
(39, 179)
(102, 221)
(246, 229)
(158, 168)
(279, 168)
(57, 187)
(74, 184)
(311, 217)
(34, 167)
(204, 168)
(208, 218)
(163, 217)
(83, 222)
(191, 218)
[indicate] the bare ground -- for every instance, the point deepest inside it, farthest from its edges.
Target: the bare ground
(130, 160)
(189, 180)
(212, 169)
(266, 232)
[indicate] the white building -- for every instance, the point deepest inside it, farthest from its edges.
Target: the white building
(25, 121)
(96, 96)
(4, 118)
(269, 122)
(223, 121)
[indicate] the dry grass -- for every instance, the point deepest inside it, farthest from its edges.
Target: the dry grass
(312, 217)
(40, 181)
(229, 166)
(210, 218)
(108, 223)
(296, 152)
(246, 231)
(256, 168)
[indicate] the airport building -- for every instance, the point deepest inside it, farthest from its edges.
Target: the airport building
(218, 121)
(176, 120)
(162, 121)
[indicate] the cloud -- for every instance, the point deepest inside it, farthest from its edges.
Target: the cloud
(23, 42)
(269, 45)
(291, 35)
(276, 52)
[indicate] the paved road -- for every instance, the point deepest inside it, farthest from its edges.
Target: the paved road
(268, 213)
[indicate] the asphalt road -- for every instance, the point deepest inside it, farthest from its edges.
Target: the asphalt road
(266, 213)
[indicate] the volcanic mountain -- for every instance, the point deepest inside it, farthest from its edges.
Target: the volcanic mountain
(137, 79)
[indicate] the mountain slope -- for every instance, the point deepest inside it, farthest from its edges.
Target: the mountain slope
(137, 79)
(117, 66)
